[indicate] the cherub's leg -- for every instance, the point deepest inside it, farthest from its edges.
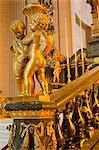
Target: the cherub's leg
(22, 85)
(40, 75)
(31, 89)
(54, 78)
(18, 80)
(28, 74)
(57, 78)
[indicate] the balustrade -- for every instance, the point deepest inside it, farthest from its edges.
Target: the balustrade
(55, 125)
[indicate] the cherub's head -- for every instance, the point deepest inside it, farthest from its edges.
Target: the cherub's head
(39, 22)
(18, 28)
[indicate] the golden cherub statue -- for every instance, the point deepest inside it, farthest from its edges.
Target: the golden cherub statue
(36, 62)
(20, 53)
(57, 57)
(57, 71)
(29, 59)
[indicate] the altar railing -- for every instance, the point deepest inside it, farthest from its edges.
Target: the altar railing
(78, 108)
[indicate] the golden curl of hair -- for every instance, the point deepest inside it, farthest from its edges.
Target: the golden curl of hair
(40, 19)
(16, 24)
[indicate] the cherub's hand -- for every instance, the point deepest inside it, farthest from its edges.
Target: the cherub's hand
(12, 49)
(18, 41)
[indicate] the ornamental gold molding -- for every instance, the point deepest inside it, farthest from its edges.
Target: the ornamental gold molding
(41, 114)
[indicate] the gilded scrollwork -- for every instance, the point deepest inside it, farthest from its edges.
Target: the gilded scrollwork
(49, 6)
(51, 133)
(12, 134)
(37, 131)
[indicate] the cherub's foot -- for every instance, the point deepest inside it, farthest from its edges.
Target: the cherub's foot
(45, 94)
(21, 95)
(27, 95)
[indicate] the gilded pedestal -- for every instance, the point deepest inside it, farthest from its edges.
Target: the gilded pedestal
(33, 122)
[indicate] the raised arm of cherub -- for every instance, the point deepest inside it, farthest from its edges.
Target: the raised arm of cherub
(15, 48)
(27, 39)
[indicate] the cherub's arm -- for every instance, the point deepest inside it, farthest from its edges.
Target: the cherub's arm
(27, 39)
(16, 47)
(12, 49)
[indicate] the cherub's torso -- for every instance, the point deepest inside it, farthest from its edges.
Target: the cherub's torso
(34, 50)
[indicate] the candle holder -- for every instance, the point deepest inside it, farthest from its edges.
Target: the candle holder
(76, 70)
(68, 73)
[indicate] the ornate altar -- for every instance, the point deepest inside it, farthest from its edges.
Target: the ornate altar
(63, 119)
